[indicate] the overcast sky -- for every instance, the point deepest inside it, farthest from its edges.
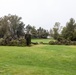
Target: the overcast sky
(38, 13)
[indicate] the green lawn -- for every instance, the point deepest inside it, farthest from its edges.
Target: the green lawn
(42, 40)
(38, 60)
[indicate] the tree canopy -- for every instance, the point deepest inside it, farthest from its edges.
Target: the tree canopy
(11, 25)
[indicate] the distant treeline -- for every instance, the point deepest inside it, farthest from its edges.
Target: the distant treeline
(68, 32)
(12, 27)
(13, 30)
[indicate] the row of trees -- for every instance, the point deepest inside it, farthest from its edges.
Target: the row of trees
(11, 25)
(68, 32)
(37, 33)
(14, 32)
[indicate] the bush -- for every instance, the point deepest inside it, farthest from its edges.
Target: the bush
(73, 42)
(52, 42)
(41, 42)
(14, 43)
(18, 42)
(2, 41)
(62, 42)
(22, 42)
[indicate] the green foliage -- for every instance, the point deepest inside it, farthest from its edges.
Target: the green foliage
(62, 42)
(42, 33)
(11, 25)
(69, 32)
(18, 42)
(12, 28)
(2, 41)
(32, 30)
(52, 43)
(13, 42)
(22, 42)
(36, 33)
(55, 32)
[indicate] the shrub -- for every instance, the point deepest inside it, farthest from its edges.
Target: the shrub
(62, 42)
(41, 42)
(2, 41)
(18, 42)
(52, 42)
(22, 42)
(14, 43)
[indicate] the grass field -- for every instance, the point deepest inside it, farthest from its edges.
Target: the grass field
(38, 60)
(41, 40)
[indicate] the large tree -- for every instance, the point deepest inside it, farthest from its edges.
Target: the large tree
(31, 30)
(69, 32)
(42, 33)
(34, 32)
(16, 25)
(11, 25)
(4, 27)
(55, 32)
